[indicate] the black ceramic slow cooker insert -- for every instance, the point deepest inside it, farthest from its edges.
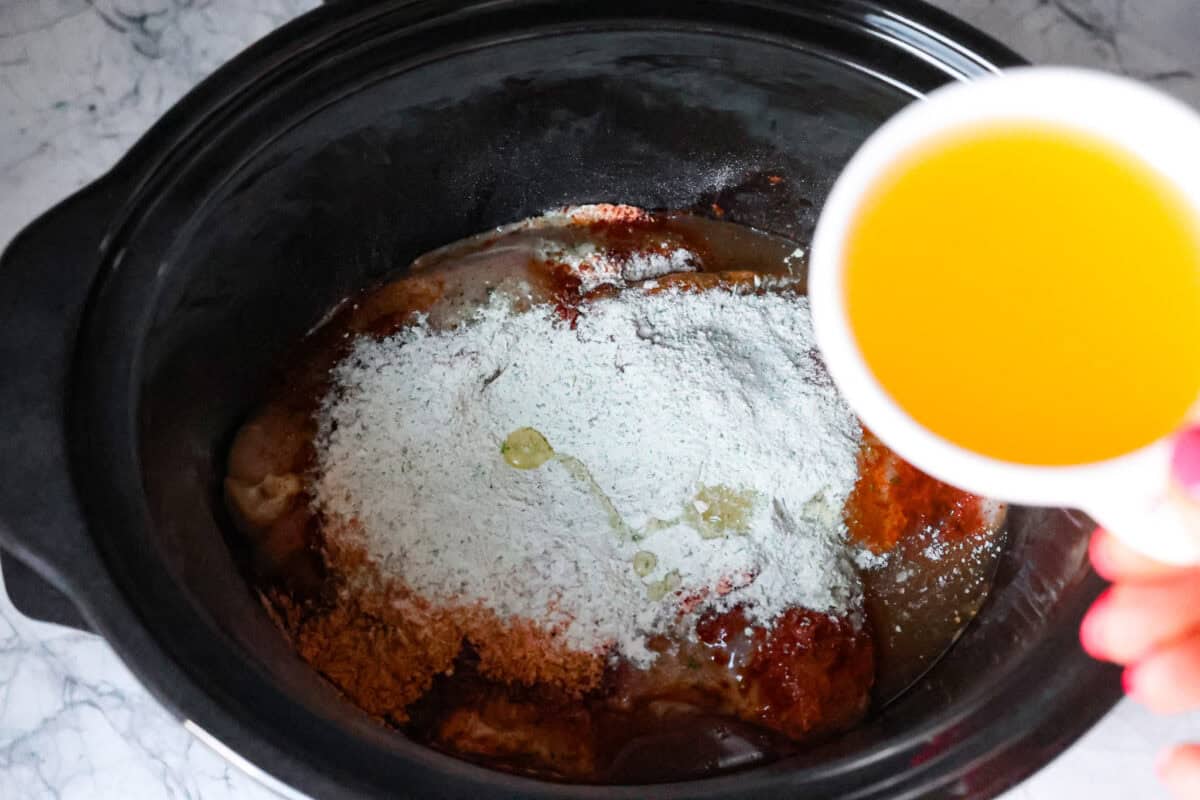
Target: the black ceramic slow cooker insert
(141, 319)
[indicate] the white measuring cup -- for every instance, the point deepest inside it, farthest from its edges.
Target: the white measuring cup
(1129, 495)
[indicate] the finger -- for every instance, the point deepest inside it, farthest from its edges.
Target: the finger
(1184, 490)
(1180, 771)
(1185, 462)
(1168, 680)
(1118, 562)
(1131, 619)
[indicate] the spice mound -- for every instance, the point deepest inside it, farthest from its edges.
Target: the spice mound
(672, 454)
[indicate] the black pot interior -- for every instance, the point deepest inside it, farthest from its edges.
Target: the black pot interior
(347, 164)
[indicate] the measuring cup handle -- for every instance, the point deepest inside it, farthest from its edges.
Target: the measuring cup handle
(1150, 514)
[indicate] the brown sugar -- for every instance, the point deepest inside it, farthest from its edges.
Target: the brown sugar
(520, 651)
(383, 645)
(383, 656)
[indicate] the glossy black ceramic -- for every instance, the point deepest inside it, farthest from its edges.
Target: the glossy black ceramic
(142, 318)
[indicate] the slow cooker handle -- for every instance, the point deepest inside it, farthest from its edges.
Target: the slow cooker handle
(45, 276)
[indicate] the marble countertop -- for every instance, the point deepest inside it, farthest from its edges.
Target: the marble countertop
(80, 80)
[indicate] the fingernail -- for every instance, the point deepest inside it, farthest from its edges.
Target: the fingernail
(1185, 462)
(1129, 681)
(1090, 630)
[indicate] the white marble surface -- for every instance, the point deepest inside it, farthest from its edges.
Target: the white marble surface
(81, 79)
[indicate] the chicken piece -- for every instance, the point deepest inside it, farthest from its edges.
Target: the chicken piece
(275, 441)
(388, 308)
(543, 736)
(263, 481)
(808, 676)
(260, 505)
(287, 551)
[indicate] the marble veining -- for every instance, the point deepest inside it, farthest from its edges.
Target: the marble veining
(74, 724)
(1151, 40)
(80, 80)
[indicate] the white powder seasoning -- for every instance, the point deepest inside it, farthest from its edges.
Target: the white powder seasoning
(678, 453)
(596, 267)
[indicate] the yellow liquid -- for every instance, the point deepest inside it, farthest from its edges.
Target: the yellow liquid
(1030, 294)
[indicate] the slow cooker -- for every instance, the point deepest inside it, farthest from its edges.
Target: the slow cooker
(143, 317)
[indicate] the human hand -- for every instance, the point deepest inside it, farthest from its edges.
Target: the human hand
(1149, 621)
